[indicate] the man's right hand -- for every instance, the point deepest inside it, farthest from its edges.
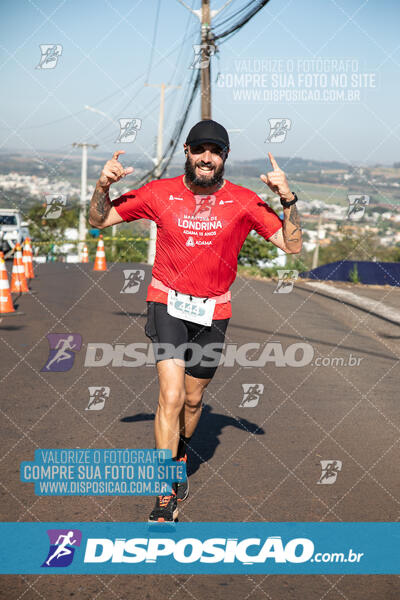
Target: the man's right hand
(113, 171)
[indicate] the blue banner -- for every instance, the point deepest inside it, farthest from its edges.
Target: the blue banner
(372, 273)
(102, 472)
(214, 548)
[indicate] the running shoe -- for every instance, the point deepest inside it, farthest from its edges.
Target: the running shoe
(182, 488)
(165, 509)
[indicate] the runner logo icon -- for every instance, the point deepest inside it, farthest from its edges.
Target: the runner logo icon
(50, 54)
(330, 470)
(202, 55)
(278, 130)
(62, 351)
(128, 130)
(61, 551)
(287, 277)
(133, 279)
(54, 205)
(357, 206)
(98, 396)
(251, 394)
(204, 205)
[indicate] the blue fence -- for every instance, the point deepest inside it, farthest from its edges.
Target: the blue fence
(378, 273)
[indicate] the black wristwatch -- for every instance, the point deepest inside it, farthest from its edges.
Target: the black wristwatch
(287, 204)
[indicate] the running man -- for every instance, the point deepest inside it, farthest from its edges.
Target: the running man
(132, 280)
(202, 222)
(62, 549)
(55, 205)
(63, 345)
(98, 397)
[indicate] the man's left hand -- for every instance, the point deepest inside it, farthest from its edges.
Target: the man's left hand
(276, 180)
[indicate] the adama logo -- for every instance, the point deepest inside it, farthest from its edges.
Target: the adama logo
(61, 551)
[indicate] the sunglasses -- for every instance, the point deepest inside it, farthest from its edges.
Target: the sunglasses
(200, 148)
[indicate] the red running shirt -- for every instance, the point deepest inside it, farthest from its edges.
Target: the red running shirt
(198, 237)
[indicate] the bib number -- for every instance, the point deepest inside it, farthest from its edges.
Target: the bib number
(190, 308)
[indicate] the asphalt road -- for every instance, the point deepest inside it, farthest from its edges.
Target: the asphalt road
(247, 463)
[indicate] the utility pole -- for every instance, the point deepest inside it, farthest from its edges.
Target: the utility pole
(151, 252)
(208, 48)
(316, 249)
(82, 228)
(205, 71)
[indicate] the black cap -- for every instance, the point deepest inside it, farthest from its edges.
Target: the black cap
(210, 132)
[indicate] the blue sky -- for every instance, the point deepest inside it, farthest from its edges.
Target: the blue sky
(107, 47)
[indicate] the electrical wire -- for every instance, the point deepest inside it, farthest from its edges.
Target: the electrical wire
(168, 154)
(102, 128)
(254, 8)
(112, 94)
(246, 13)
(153, 41)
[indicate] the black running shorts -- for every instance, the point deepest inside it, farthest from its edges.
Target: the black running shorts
(199, 346)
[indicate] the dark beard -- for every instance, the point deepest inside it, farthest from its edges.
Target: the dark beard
(216, 179)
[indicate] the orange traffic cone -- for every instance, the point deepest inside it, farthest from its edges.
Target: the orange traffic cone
(27, 259)
(6, 303)
(18, 279)
(100, 260)
(85, 254)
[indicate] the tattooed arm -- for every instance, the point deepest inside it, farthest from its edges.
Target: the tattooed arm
(289, 237)
(101, 212)
(291, 229)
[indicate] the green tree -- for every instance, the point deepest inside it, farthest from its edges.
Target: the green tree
(49, 231)
(352, 246)
(126, 248)
(256, 249)
(353, 275)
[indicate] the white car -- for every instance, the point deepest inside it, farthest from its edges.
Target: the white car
(12, 231)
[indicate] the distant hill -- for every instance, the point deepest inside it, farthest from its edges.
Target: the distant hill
(68, 164)
(253, 168)
(290, 164)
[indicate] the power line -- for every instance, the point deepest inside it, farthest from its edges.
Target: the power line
(180, 53)
(163, 165)
(153, 41)
(245, 13)
(254, 8)
(54, 121)
(100, 130)
(231, 16)
(112, 94)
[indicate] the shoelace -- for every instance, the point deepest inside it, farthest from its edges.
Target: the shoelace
(164, 500)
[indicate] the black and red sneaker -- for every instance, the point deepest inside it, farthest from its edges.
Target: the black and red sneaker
(165, 509)
(182, 487)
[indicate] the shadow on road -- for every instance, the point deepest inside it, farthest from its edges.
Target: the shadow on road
(206, 438)
(121, 313)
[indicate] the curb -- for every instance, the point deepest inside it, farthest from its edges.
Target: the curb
(372, 306)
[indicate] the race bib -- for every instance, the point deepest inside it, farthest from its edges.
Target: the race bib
(190, 308)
